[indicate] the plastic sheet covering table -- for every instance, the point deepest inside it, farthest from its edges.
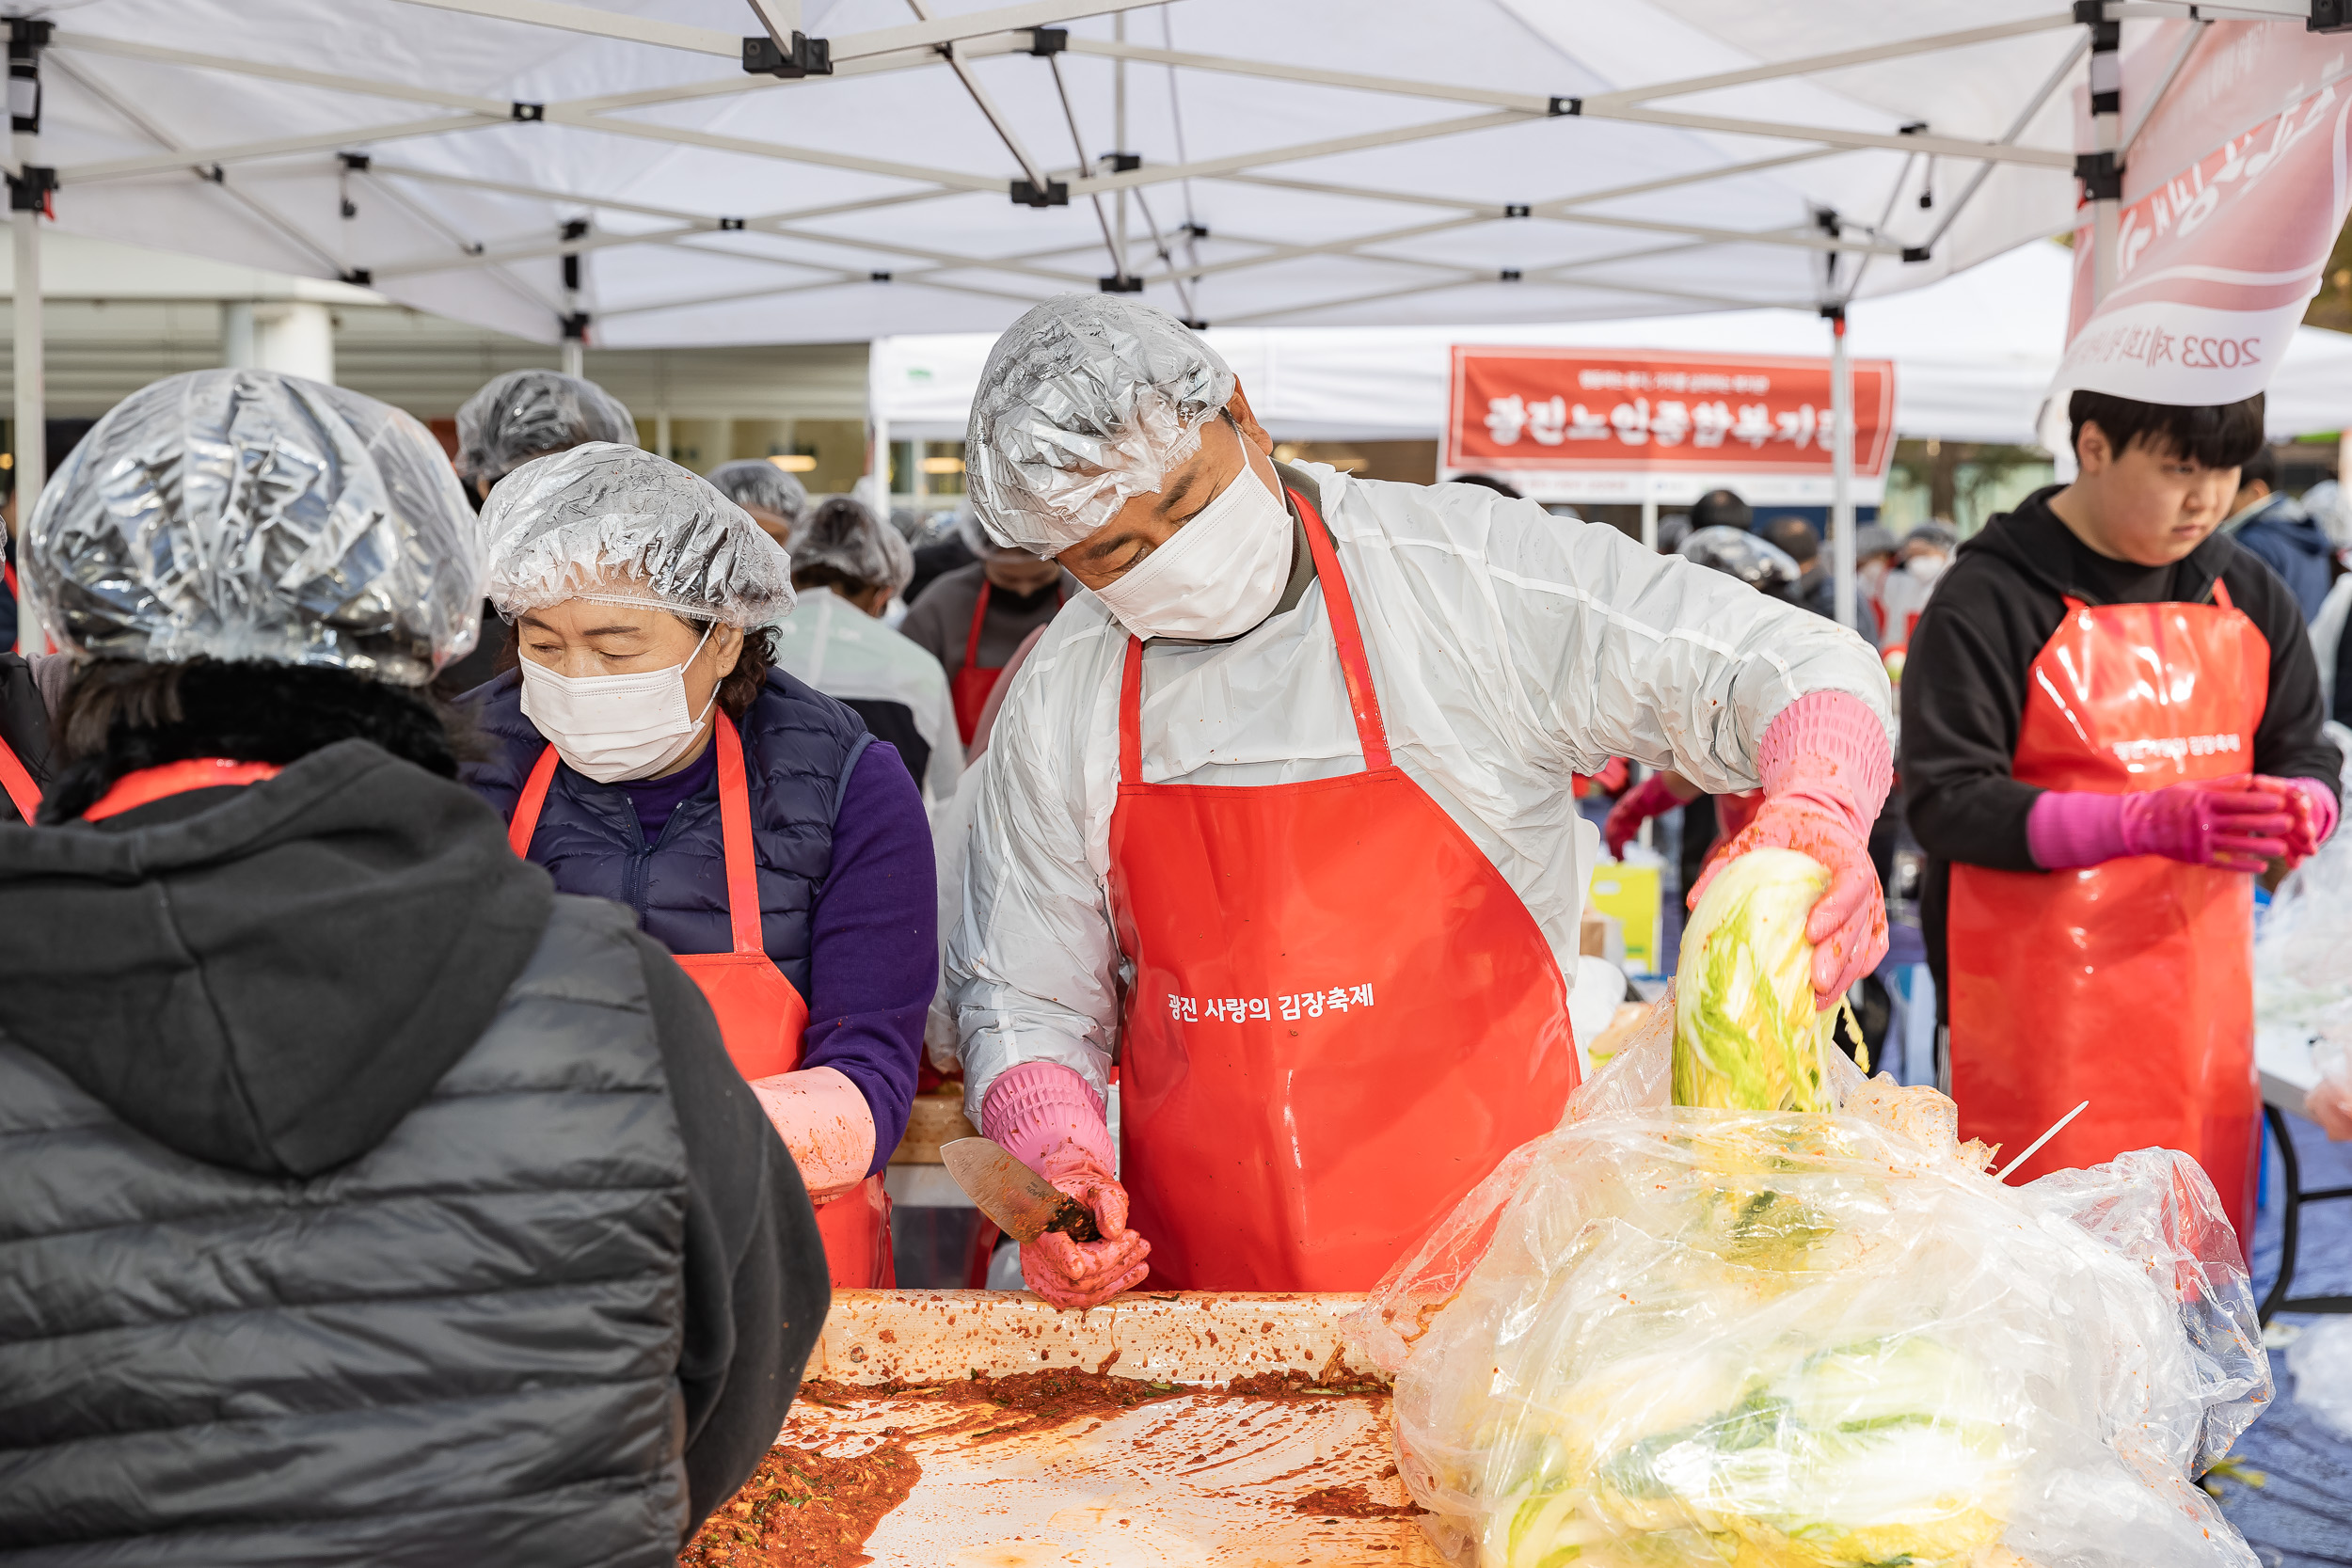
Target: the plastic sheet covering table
(1201, 1479)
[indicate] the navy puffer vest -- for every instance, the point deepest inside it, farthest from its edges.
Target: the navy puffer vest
(799, 746)
(461, 1347)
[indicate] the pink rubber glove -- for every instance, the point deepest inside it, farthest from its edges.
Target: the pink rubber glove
(1826, 770)
(824, 1120)
(1047, 1117)
(2329, 1103)
(1649, 798)
(2314, 807)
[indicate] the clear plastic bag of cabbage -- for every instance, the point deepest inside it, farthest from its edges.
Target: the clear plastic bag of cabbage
(1673, 1334)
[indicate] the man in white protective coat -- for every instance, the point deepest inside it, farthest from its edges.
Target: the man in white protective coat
(1278, 817)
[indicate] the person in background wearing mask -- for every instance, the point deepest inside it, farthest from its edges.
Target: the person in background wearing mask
(973, 618)
(776, 501)
(512, 420)
(651, 754)
(1284, 806)
(385, 1205)
(2111, 722)
(845, 570)
(1921, 560)
(2276, 529)
(1874, 552)
(29, 688)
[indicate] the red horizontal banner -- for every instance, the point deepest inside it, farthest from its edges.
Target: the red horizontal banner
(1588, 408)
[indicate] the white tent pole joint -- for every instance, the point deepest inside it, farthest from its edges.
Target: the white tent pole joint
(29, 188)
(575, 319)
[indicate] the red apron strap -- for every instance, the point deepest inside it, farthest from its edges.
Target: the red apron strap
(2221, 594)
(1370, 732)
(150, 785)
(1130, 704)
(18, 781)
(972, 638)
(529, 804)
(735, 835)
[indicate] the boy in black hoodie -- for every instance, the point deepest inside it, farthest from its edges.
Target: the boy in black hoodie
(2110, 720)
(361, 1200)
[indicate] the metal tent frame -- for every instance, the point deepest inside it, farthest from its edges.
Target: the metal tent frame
(820, 258)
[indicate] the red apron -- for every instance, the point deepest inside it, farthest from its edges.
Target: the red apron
(2129, 984)
(760, 1015)
(972, 683)
(1342, 1016)
(17, 781)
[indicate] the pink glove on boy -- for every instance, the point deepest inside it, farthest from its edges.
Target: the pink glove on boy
(2238, 824)
(1047, 1117)
(1826, 770)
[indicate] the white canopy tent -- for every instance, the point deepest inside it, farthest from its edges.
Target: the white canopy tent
(622, 169)
(1973, 357)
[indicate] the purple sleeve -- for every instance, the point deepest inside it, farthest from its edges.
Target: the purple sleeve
(874, 947)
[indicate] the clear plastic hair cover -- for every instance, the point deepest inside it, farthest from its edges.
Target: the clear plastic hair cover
(842, 535)
(617, 525)
(528, 414)
(1085, 401)
(1750, 557)
(249, 515)
(756, 481)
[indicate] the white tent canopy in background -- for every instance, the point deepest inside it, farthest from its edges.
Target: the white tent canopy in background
(1973, 356)
(1311, 161)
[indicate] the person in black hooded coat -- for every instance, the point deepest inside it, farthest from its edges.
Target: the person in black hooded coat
(367, 1201)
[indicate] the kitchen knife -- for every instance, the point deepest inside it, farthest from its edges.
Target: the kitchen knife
(1023, 1204)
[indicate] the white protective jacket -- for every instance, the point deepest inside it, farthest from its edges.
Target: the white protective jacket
(843, 651)
(1510, 649)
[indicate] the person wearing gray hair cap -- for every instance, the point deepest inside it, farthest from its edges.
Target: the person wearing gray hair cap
(847, 567)
(652, 751)
(528, 414)
(1238, 802)
(289, 1022)
(775, 500)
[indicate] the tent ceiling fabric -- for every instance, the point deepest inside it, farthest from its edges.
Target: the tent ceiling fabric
(1313, 163)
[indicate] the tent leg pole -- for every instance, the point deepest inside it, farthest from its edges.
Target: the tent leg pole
(31, 459)
(1649, 524)
(1841, 469)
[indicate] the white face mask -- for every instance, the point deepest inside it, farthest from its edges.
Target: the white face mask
(1927, 568)
(614, 727)
(1219, 574)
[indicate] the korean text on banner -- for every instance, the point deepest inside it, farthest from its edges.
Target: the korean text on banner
(1660, 412)
(2233, 197)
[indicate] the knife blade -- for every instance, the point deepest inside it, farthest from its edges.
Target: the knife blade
(1022, 1204)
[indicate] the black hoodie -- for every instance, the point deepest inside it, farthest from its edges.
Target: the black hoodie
(1964, 688)
(272, 981)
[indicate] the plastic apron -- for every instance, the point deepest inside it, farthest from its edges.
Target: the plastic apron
(16, 780)
(2128, 984)
(1342, 1017)
(761, 1016)
(970, 684)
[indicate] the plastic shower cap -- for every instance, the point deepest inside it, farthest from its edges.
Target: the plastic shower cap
(244, 515)
(528, 414)
(842, 535)
(755, 481)
(617, 525)
(1085, 401)
(1752, 559)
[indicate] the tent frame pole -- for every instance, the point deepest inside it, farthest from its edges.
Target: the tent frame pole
(27, 199)
(1841, 471)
